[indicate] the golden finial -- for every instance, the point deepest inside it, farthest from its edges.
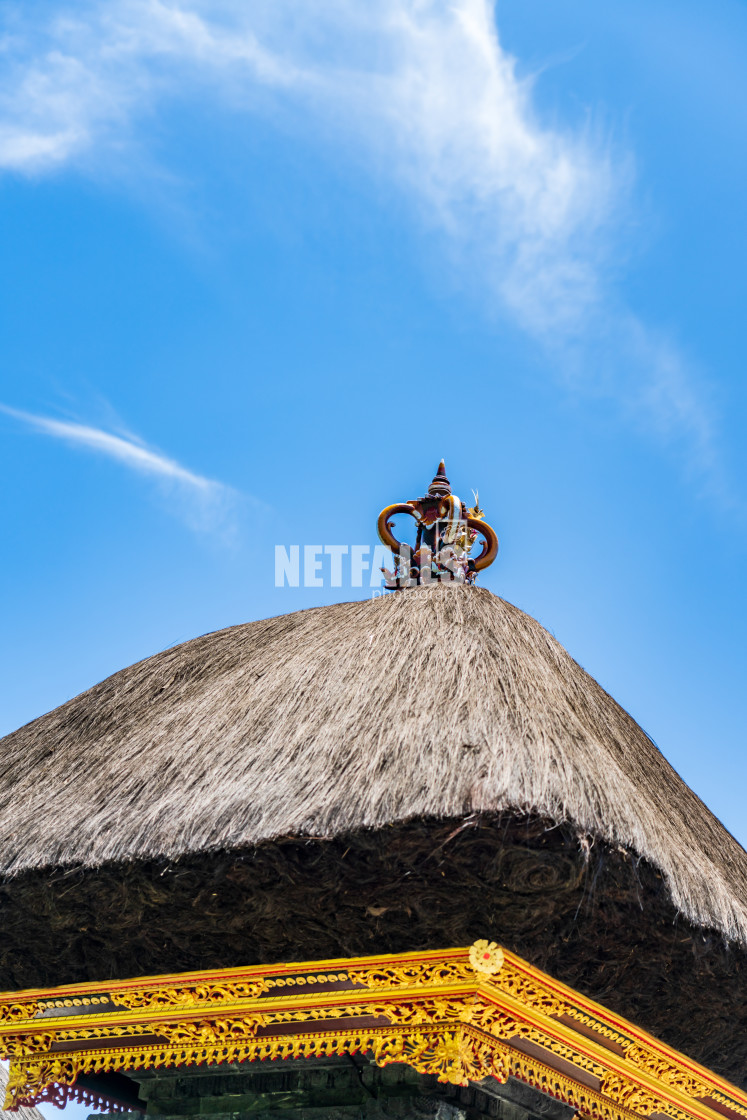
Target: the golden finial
(446, 533)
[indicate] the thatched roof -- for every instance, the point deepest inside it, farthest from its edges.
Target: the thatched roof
(395, 775)
(435, 703)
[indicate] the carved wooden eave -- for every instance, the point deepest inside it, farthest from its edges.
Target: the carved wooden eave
(462, 1014)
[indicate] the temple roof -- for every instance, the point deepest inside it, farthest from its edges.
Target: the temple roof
(403, 774)
(436, 703)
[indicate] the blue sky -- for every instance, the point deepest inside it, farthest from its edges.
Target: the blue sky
(263, 265)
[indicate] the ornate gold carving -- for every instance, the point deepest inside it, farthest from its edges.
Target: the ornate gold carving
(676, 1076)
(317, 1014)
(456, 1056)
(568, 1053)
(210, 1032)
(530, 992)
(26, 1080)
(658, 1065)
(95, 1033)
(72, 1001)
(589, 1104)
(426, 1012)
(637, 1099)
(467, 1047)
(17, 1012)
(152, 999)
(627, 1093)
(398, 1010)
(415, 975)
(663, 1070)
(26, 1045)
(321, 1045)
(488, 1018)
(500, 1025)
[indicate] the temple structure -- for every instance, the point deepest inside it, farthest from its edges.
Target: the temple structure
(388, 858)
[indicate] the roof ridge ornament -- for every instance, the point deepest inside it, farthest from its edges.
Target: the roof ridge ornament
(440, 485)
(446, 533)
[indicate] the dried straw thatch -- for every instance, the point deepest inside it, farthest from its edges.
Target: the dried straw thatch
(432, 703)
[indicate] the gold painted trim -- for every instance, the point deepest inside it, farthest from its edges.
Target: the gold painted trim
(460, 1014)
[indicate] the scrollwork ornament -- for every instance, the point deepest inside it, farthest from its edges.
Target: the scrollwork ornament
(209, 1032)
(25, 1045)
(417, 975)
(530, 992)
(643, 1058)
(27, 1080)
(17, 1012)
(152, 999)
(636, 1098)
(454, 1056)
(589, 1104)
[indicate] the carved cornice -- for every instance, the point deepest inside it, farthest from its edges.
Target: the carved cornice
(462, 1015)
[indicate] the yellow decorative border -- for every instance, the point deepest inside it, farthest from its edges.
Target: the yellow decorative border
(461, 1014)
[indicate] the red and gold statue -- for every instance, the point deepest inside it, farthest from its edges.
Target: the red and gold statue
(446, 533)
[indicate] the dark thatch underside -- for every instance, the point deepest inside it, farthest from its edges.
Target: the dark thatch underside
(597, 920)
(408, 773)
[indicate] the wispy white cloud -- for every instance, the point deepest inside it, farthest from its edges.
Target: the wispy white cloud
(422, 89)
(203, 503)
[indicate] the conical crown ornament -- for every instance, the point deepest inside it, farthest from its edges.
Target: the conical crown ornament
(440, 485)
(446, 533)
